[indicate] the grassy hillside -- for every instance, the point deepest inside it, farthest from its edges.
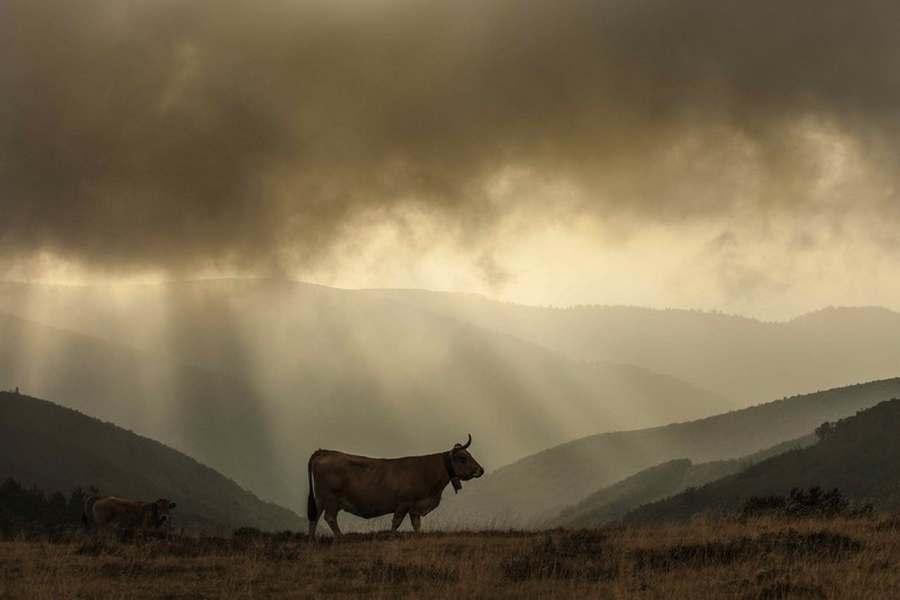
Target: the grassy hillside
(660, 481)
(209, 415)
(861, 457)
(763, 560)
(744, 359)
(280, 369)
(57, 448)
(539, 486)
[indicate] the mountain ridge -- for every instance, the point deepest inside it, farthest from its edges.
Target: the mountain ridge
(280, 373)
(539, 485)
(709, 349)
(660, 481)
(859, 455)
(58, 448)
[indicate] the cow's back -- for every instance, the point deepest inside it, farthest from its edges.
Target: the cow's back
(118, 511)
(371, 487)
(353, 482)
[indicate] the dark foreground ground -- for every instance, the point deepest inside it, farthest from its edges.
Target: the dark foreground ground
(765, 559)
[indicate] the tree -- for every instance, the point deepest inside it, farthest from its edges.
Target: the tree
(825, 431)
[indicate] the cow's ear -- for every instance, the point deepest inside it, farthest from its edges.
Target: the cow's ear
(172, 505)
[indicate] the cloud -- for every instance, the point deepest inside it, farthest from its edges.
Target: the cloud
(172, 135)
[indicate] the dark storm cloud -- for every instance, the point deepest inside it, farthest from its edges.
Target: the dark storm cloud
(176, 134)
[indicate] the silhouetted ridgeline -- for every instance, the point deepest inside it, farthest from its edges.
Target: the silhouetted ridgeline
(56, 448)
(742, 359)
(860, 456)
(660, 481)
(537, 487)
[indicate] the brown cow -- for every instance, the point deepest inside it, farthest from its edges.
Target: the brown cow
(372, 487)
(121, 512)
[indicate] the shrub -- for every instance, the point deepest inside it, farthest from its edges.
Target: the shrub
(805, 504)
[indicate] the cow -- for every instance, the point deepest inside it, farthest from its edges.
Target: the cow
(372, 487)
(120, 512)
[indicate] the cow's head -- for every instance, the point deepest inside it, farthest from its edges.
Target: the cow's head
(157, 513)
(464, 465)
(164, 505)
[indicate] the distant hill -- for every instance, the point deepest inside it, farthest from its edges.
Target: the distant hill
(539, 486)
(660, 481)
(251, 377)
(209, 415)
(861, 457)
(281, 368)
(740, 358)
(57, 448)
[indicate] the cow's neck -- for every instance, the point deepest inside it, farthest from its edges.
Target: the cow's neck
(451, 472)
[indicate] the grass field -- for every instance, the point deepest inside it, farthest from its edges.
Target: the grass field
(764, 559)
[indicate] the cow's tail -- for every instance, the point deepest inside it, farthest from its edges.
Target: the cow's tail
(312, 511)
(88, 510)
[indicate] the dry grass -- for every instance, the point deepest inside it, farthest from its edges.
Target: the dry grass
(764, 559)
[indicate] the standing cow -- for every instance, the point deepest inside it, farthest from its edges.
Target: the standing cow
(124, 513)
(372, 487)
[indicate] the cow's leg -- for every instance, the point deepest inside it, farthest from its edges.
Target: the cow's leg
(313, 507)
(312, 528)
(313, 517)
(398, 519)
(331, 519)
(416, 521)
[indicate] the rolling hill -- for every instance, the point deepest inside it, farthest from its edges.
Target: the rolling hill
(743, 359)
(251, 377)
(205, 414)
(57, 448)
(537, 487)
(660, 481)
(861, 457)
(281, 368)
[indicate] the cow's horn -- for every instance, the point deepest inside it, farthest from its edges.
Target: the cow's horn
(467, 444)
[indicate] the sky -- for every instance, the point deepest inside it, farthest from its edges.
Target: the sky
(717, 154)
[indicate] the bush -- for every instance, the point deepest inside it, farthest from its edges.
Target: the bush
(805, 504)
(763, 505)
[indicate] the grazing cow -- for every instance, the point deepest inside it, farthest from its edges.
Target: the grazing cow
(372, 487)
(120, 512)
